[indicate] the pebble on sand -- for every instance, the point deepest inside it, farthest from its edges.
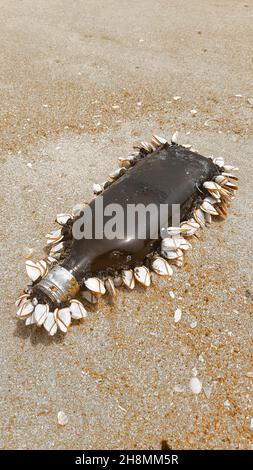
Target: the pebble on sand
(195, 385)
(62, 418)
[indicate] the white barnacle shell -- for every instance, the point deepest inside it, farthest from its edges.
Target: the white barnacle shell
(142, 275)
(161, 267)
(206, 206)
(51, 260)
(146, 146)
(184, 244)
(117, 173)
(95, 285)
(128, 278)
(211, 199)
(54, 237)
(62, 318)
(89, 296)
(173, 231)
(62, 219)
(110, 287)
(42, 264)
(230, 185)
(50, 324)
(170, 243)
(30, 320)
(97, 188)
(157, 141)
(213, 188)
(33, 270)
(221, 180)
(126, 162)
(25, 309)
(229, 168)
(199, 216)
(170, 254)
(174, 138)
(40, 313)
(21, 300)
(229, 175)
(77, 309)
(219, 161)
(189, 227)
(56, 248)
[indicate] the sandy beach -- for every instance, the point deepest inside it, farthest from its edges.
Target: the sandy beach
(80, 82)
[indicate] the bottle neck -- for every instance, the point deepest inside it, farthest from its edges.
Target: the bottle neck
(59, 285)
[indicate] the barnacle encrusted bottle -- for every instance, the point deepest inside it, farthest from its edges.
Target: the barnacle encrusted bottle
(160, 174)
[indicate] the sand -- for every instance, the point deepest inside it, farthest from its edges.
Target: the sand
(79, 84)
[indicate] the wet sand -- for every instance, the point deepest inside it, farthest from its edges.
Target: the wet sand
(76, 90)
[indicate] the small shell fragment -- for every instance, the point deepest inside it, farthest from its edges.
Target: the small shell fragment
(40, 313)
(177, 315)
(142, 275)
(62, 418)
(128, 278)
(77, 309)
(161, 267)
(95, 285)
(195, 385)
